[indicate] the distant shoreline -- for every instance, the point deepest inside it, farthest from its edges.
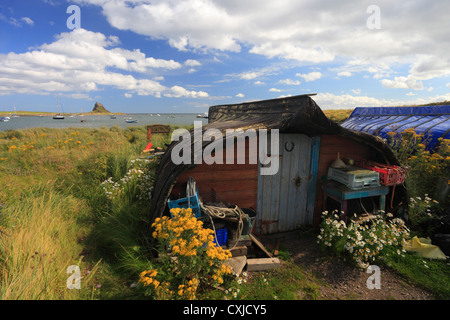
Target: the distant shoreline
(50, 114)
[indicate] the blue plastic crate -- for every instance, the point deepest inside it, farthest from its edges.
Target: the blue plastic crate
(221, 235)
(188, 202)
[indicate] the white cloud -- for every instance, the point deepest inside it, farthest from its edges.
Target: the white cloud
(83, 61)
(312, 76)
(240, 95)
(290, 82)
(293, 52)
(356, 91)
(428, 66)
(128, 95)
(259, 83)
(192, 63)
(78, 96)
(250, 75)
(27, 21)
(402, 83)
(332, 101)
(310, 32)
(344, 74)
(178, 92)
(51, 2)
(16, 22)
(274, 90)
(346, 101)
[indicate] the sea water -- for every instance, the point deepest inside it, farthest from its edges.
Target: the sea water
(98, 121)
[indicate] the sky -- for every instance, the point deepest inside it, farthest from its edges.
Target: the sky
(146, 56)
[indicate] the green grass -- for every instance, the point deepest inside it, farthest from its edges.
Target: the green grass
(290, 282)
(41, 240)
(433, 275)
(55, 213)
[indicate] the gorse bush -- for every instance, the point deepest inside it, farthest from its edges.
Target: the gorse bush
(189, 260)
(425, 168)
(364, 243)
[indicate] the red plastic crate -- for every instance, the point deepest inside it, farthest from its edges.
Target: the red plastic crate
(389, 174)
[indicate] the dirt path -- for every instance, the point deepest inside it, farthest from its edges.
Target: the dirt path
(343, 281)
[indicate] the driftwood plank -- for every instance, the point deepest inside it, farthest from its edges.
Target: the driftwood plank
(260, 245)
(262, 264)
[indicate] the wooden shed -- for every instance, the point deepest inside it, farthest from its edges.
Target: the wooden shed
(308, 143)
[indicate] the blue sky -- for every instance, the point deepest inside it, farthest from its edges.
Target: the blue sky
(184, 56)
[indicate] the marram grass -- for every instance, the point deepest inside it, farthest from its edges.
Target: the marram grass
(38, 246)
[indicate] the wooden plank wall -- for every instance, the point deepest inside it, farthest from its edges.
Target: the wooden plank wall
(330, 145)
(233, 183)
(282, 204)
(237, 183)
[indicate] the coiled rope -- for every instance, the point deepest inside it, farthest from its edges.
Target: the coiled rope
(223, 213)
(216, 211)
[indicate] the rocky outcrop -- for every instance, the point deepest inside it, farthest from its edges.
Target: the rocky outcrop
(99, 108)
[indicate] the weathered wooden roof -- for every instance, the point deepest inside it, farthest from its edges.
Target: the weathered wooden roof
(297, 114)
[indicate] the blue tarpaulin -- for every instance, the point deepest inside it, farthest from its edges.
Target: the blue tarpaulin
(431, 121)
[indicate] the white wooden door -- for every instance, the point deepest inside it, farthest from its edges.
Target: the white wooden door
(284, 199)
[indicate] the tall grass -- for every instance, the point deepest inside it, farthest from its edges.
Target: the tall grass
(41, 241)
(55, 213)
(338, 115)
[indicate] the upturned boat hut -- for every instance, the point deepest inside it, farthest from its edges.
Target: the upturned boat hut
(308, 143)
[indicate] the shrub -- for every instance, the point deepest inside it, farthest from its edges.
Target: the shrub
(136, 182)
(423, 215)
(362, 242)
(425, 167)
(189, 260)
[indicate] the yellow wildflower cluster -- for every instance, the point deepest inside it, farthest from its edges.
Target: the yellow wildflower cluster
(218, 276)
(187, 236)
(161, 289)
(431, 163)
(188, 291)
(148, 277)
(194, 260)
(68, 143)
(425, 167)
(23, 147)
(215, 252)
